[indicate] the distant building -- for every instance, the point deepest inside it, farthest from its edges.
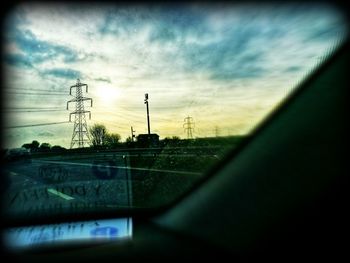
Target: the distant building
(148, 140)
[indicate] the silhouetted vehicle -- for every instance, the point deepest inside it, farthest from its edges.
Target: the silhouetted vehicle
(18, 154)
(147, 140)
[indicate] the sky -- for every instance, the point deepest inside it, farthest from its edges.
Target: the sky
(226, 66)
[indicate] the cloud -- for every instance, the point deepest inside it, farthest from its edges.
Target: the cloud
(327, 34)
(37, 51)
(121, 22)
(108, 80)
(46, 134)
(63, 73)
(227, 59)
(186, 40)
(193, 59)
(293, 69)
(238, 43)
(163, 23)
(18, 60)
(178, 23)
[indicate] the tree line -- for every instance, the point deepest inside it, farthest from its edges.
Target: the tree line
(100, 138)
(35, 146)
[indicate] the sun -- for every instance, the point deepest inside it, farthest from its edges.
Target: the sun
(107, 94)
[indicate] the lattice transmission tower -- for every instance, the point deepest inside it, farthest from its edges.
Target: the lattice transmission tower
(80, 135)
(189, 126)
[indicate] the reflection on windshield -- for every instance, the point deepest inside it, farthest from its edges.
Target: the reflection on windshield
(113, 107)
(88, 179)
(68, 233)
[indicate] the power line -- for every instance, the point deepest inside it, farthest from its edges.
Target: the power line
(42, 90)
(124, 115)
(34, 125)
(28, 93)
(33, 108)
(21, 111)
(117, 126)
(138, 119)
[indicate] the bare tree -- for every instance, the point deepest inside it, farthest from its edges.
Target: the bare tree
(98, 134)
(112, 139)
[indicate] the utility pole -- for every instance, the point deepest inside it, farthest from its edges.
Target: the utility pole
(188, 126)
(216, 131)
(80, 135)
(148, 124)
(132, 134)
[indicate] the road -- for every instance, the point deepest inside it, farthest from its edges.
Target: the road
(61, 183)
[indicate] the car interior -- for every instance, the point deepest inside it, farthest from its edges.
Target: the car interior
(280, 195)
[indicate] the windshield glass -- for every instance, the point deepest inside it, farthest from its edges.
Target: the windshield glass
(113, 107)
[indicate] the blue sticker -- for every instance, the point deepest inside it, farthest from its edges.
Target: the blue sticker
(104, 169)
(40, 238)
(107, 231)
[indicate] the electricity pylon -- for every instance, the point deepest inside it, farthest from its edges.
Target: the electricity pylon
(80, 135)
(189, 126)
(216, 130)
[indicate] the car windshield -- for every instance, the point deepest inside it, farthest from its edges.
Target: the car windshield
(109, 107)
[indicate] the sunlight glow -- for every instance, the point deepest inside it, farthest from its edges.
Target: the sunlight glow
(107, 95)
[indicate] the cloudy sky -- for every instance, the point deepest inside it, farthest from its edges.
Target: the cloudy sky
(226, 66)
